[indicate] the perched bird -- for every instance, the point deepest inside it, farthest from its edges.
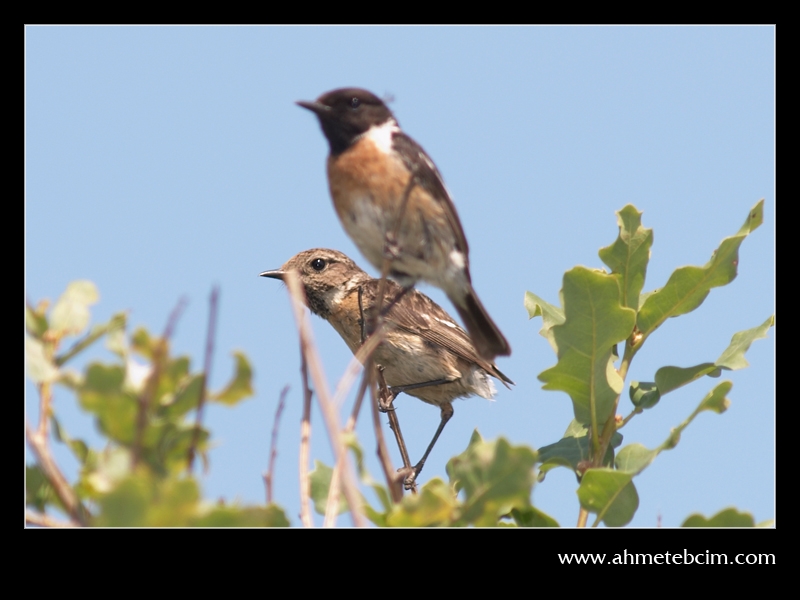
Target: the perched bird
(393, 203)
(424, 354)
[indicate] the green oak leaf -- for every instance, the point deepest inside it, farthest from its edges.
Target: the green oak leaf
(729, 517)
(494, 476)
(610, 494)
(320, 484)
(635, 458)
(40, 367)
(271, 515)
(36, 319)
(551, 315)
(240, 386)
(70, 315)
(733, 356)
(435, 505)
(573, 449)
(667, 379)
(595, 322)
(628, 256)
(532, 517)
(688, 287)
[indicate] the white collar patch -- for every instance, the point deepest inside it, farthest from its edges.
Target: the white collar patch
(381, 135)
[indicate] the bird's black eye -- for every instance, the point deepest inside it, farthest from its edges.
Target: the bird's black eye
(318, 264)
(355, 102)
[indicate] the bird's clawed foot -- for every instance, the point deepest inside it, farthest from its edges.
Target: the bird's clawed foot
(410, 481)
(386, 396)
(409, 475)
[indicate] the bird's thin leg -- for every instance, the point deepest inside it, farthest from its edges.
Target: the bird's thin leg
(399, 389)
(385, 398)
(447, 412)
(386, 394)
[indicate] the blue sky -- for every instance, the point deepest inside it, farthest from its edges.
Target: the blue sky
(161, 161)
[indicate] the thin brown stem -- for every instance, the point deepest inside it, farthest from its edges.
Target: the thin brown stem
(146, 397)
(333, 491)
(305, 443)
(212, 327)
(583, 517)
(391, 238)
(42, 520)
(627, 357)
(45, 408)
(612, 425)
(356, 365)
(364, 356)
(323, 395)
(401, 211)
(332, 503)
(636, 411)
(394, 422)
(273, 445)
(65, 493)
(351, 422)
(38, 442)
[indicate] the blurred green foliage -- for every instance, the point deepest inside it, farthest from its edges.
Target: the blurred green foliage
(141, 404)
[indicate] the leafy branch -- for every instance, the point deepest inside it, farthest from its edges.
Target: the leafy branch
(141, 477)
(602, 309)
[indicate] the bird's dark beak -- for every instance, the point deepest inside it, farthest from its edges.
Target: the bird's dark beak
(315, 107)
(274, 274)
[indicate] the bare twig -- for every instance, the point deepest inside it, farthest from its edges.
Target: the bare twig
(212, 327)
(357, 364)
(364, 357)
(395, 488)
(351, 422)
(328, 410)
(273, 450)
(146, 397)
(95, 334)
(38, 443)
(333, 490)
(305, 440)
(391, 238)
(42, 520)
(392, 478)
(383, 455)
(636, 411)
(173, 318)
(45, 403)
(611, 426)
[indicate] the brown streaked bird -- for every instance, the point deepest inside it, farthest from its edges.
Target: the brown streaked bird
(393, 203)
(424, 354)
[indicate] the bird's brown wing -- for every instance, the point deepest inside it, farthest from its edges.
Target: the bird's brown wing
(417, 314)
(428, 176)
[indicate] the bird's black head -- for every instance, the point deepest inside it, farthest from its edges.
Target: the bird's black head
(346, 113)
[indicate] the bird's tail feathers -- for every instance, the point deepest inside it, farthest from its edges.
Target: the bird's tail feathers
(486, 336)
